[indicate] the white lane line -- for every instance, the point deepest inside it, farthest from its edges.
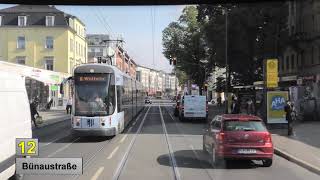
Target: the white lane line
(64, 147)
(113, 152)
(189, 141)
(54, 140)
(123, 138)
(124, 159)
(172, 158)
(97, 174)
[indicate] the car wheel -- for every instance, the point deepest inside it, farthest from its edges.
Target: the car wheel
(266, 162)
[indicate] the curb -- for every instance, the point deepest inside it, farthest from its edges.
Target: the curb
(297, 161)
(53, 121)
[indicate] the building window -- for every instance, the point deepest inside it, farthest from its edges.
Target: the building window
(287, 62)
(49, 42)
(48, 63)
(21, 42)
(92, 49)
(101, 50)
(71, 45)
(22, 20)
(76, 48)
(49, 20)
(21, 60)
(292, 62)
(312, 55)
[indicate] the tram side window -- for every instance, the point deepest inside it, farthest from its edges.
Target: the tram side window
(119, 98)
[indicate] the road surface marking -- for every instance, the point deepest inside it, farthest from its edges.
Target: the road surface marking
(54, 140)
(191, 146)
(129, 130)
(97, 174)
(125, 157)
(113, 152)
(172, 158)
(134, 123)
(64, 147)
(123, 138)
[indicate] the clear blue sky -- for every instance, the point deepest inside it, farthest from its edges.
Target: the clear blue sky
(134, 24)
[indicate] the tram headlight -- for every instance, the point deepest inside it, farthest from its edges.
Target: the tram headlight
(77, 121)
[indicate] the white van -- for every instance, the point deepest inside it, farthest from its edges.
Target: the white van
(193, 107)
(15, 119)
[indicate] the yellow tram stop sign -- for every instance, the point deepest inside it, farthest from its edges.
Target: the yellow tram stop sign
(272, 73)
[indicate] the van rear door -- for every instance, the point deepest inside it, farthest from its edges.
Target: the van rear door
(195, 106)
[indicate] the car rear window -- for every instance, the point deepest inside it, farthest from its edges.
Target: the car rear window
(236, 125)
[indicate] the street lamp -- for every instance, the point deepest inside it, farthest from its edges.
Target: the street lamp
(225, 11)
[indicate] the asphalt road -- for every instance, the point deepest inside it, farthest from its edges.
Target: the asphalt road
(156, 145)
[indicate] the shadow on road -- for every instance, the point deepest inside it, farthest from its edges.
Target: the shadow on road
(187, 159)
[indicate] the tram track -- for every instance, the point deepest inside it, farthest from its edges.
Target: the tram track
(126, 155)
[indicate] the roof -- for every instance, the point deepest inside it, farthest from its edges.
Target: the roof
(36, 15)
(31, 8)
(240, 117)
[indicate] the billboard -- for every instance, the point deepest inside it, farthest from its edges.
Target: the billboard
(272, 73)
(276, 100)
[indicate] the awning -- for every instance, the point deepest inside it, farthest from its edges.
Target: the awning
(45, 76)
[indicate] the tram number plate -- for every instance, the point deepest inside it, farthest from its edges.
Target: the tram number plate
(90, 122)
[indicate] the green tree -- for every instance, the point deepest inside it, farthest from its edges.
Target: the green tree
(184, 41)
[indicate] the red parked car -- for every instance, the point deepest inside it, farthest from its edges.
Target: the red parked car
(238, 136)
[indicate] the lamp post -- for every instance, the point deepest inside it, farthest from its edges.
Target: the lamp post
(226, 61)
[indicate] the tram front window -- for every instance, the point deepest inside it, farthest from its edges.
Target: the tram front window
(94, 95)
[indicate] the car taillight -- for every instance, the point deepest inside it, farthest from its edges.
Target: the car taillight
(267, 138)
(220, 137)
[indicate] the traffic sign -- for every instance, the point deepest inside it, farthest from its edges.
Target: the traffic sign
(272, 73)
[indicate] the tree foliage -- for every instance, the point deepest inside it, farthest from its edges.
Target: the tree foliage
(255, 31)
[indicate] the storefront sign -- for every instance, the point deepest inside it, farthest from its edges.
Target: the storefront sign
(272, 73)
(276, 100)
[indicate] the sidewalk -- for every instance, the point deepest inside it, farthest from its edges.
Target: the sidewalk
(303, 148)
(52, 116)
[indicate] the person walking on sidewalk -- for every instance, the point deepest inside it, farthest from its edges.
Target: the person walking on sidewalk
(250, 107)
(33, 110)
(69, 105)
(288, 109)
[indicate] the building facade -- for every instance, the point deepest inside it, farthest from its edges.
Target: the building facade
(42, 37)
(157, 81)
(97, 46)
(299, 69)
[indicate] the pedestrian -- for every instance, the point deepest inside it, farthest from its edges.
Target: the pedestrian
(33, 110)
(235, 106)
(219, 101)
(48, 106)
(288, 110)
(250, 107)
(69, 105)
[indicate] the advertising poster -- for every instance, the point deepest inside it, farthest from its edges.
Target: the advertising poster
(276, 101)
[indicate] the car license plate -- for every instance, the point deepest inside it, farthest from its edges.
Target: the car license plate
(247, 151)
